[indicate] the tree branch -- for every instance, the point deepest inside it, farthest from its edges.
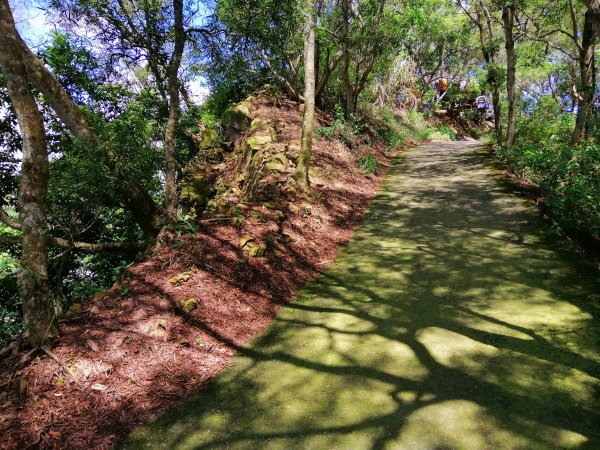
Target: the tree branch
(4, 217)
(83, 247)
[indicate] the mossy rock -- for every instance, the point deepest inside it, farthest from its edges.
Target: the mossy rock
(238, 116)
(235, 121)
(257, 142)
(255, 250)
(195, 192)
(306, 208)
(73, 311)
(209, 138)
(188, 305)
(258, 124)
(244, 240)
(280, 158)
(275, 166)
(179, 279)
(101, 295)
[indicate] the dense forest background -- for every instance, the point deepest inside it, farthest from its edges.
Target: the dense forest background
(99, 122)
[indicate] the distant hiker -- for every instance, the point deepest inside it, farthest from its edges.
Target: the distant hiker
(443, 86)
(481, 103)
(441, 89)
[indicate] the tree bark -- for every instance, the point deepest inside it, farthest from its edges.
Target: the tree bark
(508, 18)
(174, 114)
(348, 90)
(594, 10)
(486, 42)
(301, 173)
(132, 194)
(587, 85)
(38, 308)
(82, 247)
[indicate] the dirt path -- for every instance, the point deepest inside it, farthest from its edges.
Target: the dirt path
(450, 321)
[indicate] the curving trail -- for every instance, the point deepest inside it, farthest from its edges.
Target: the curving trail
(452, 320)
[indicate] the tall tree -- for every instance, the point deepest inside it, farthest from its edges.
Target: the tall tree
(308, 119)
(174, 87)
(482, 18)
(152, 33)
(508, 19)
(132, 194)
(38, 308)
(587, 71)
(362, 43)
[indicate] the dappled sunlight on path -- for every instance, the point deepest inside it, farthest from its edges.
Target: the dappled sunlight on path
(450, 321)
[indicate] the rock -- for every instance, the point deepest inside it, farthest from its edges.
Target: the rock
(255, 250)
(209, 138)
(286, 238)
(100, 296)
(257, 142)
(235, 121)
(156, 332)
(257, 124)
(281, 159)
(73, 311)
(181, 278)
(93, 345)
(275, 166)
(244, 240)
(189, 305)
(195, 192)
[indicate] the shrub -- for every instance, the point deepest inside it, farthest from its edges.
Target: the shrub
(569, 176)
(368, 163)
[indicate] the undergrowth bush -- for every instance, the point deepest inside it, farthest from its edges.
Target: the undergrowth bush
(396, 127)
(368, 163)
(568, 176)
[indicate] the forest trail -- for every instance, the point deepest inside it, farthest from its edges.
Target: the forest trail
(451, 320)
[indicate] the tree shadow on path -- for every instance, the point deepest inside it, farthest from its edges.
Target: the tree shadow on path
(451, 321)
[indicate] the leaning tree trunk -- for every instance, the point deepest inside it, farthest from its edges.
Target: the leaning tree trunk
(587, 86)
(301, 173)
(508, 17)
(38, 308)
(133, 196)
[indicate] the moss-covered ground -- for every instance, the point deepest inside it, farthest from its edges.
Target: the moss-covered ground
(452, 320)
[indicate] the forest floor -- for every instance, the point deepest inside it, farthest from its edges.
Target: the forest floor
(452, 319)
(177, 319)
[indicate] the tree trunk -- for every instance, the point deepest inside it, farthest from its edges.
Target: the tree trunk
(38, 308)
(348, 90)
(594, 10)
(587, 87)
(304, 158)
(174, 114)
(508, 18)
(132, 194)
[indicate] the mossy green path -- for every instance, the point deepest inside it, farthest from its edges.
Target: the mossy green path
(452, 320)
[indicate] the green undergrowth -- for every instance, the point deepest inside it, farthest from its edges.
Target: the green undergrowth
(10, 320)
(568, 176)
(398, 127)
